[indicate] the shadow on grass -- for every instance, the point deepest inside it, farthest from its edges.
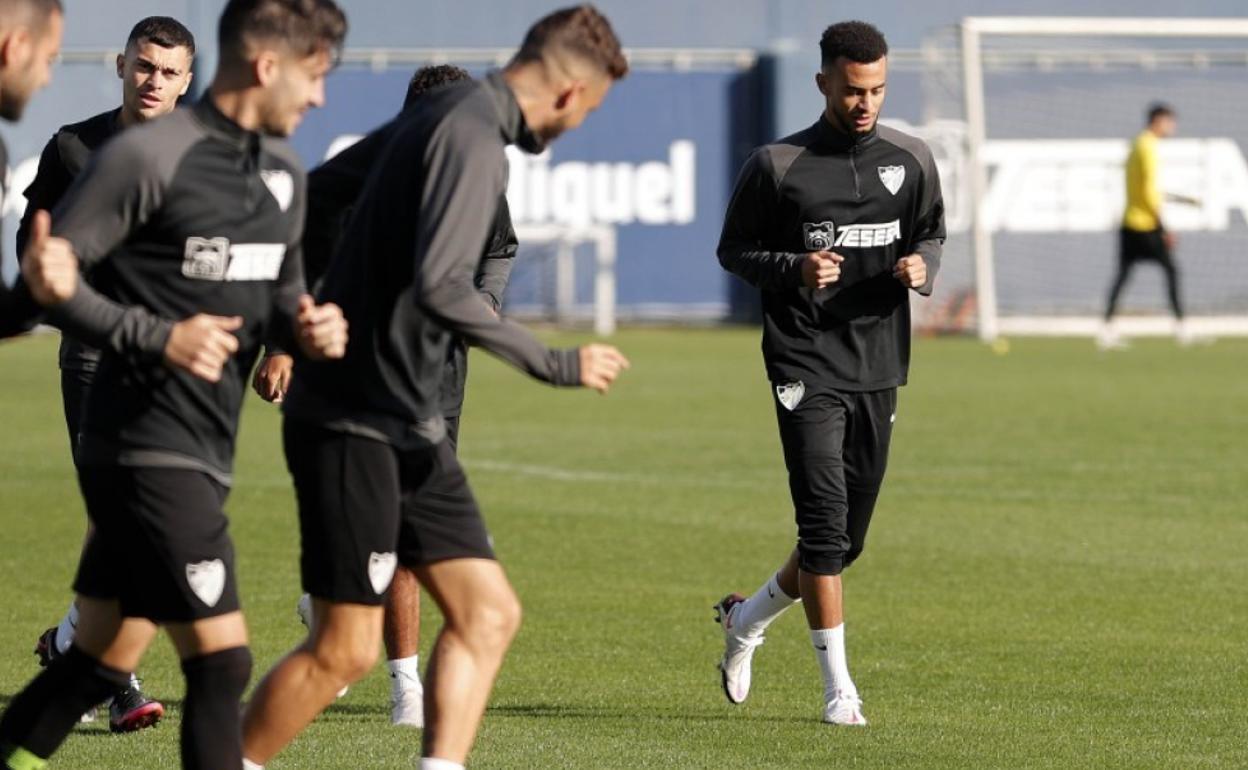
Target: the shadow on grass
(572, 711)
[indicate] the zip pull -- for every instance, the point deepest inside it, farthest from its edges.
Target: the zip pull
(853, 165)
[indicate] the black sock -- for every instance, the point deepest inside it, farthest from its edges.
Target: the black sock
(40, 716)
(212, 724)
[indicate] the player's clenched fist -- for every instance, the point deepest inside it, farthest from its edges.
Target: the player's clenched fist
(272, 378)
(911, 271)
(821, 269)
(202, 344)
(49, 266)
(321, 329)
(600, 365)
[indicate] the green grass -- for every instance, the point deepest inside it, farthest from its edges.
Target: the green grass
(1056, 574)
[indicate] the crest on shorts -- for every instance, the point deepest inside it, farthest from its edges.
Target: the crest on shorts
(281, 184)
(819, 235)
(207, 580)
(893, 177)
(381, 570)
(790, 393)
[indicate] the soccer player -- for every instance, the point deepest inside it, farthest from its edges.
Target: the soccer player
(1142, 237)
(197, 216)
(333, 189)
(155, 70)
(378, 484)
(835, 224)
(30, 36)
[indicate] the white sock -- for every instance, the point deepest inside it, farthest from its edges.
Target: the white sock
(432, 763)
(404, 673)
(761, 609)
(66, 629)
(830, 652)
(249, 765)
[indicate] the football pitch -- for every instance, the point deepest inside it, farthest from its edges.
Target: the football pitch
(1056, 574)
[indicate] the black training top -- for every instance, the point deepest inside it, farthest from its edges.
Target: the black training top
(403, 273)
(63, 159)
(333, 189)
(184, 215)
(872, 199)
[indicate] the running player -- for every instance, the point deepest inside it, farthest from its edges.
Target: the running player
(333, 189)
(835, 224)
(30, 31)
(365, 438)
(155, 70)
(197, 216)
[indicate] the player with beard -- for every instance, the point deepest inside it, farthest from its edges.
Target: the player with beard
(333, 189)
(365, 438)
(198, 217)
(155, 70)
(835, 225)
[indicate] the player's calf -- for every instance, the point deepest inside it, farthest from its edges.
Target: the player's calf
(211, 722)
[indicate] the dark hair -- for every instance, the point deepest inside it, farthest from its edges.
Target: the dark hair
(303, 26)
(1159, 110)
(857, 41)
(581, 31)
(433, 76)
(164, 31)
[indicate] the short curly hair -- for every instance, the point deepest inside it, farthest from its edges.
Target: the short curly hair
(857, 41)
(433, 76)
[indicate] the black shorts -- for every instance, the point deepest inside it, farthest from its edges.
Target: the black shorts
(74, 386)
(365, 506)
(161, 545)
(836, 449)
(1142, 246)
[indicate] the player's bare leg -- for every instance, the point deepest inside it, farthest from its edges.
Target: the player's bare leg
(482, 615)
(340, 649)
(401, 634)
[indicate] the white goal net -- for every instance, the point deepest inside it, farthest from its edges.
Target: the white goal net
(1050, 106)
(564, 274)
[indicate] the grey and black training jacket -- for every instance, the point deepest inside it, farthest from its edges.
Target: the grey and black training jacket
(873, 199)
(184, 215)
(403, 273)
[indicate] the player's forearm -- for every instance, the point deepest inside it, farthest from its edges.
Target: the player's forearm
(774, 270)
(127, 330)
(467, 316)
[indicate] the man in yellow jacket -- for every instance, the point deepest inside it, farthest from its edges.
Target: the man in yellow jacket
(1143, 238)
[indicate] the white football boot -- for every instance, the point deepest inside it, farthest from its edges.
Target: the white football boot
(844, 709)
(734, 667)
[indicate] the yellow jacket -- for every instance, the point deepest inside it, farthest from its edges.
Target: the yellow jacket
(1143, 211)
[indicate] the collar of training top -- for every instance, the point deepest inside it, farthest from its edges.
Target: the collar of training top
(212, 118)
(835, 139)
(515, 129)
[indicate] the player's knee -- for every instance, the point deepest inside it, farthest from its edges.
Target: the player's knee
(821, 555)
(225, 672)
(347, 662)
(492, 625)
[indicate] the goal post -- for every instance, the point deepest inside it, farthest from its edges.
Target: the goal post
(1066, 58)
(565, 274)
